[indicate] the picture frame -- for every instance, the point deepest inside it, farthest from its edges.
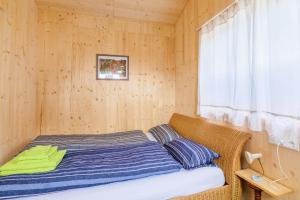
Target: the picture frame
(112, 67)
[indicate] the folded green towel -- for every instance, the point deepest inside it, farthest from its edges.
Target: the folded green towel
(53, 160)
(27, 171)
(37, 152)
(16, 166)
(33, 158)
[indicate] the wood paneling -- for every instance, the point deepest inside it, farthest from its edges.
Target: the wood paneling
(154, 10)
(74, 101)
(19, 116)
(186, 61)
(186, 47)
(290, 161)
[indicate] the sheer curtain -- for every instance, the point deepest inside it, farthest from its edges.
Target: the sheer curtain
(249, 68)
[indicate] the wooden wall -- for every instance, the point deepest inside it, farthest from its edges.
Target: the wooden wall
(196, 13)
(166, 11)
(19, 115)
(74, 101)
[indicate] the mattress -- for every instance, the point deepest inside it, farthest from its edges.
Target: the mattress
(158, 187)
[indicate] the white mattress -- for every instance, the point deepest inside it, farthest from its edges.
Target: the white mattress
(158, 187)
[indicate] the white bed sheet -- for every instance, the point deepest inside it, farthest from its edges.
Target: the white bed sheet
(158, 187)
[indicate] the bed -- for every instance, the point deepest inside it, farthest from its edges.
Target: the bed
(163, 180)
(226, 141)
(150, 188)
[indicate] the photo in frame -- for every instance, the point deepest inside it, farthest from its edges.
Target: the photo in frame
(112, 67)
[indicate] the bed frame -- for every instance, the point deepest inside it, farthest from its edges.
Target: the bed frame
(224, 140)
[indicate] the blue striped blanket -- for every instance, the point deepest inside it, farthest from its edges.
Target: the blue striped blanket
(86, 141)
(90, 167)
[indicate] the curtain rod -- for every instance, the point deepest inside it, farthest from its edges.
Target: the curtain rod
(217, 15)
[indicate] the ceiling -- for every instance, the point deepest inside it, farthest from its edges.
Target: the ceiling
(166, 11)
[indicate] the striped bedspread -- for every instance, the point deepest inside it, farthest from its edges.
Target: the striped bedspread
(86, 141)
(90, 167)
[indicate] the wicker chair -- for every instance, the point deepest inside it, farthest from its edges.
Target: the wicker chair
(226, 141)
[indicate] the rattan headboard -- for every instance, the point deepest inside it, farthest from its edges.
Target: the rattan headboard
(224, 140)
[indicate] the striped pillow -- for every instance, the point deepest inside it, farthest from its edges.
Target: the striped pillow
(164, 133)
(190, 154)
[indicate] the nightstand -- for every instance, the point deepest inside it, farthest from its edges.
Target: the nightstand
(265, 185)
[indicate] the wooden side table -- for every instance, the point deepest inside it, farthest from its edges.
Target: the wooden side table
(265, 185)
(257, 191)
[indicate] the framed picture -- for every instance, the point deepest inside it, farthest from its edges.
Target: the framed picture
(112, 67)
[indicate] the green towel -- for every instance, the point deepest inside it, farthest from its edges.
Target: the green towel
(37, 153)
(32, 159)
(30, 166)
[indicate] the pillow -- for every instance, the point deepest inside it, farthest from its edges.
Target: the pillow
(164, 133)
(150, 137)
(190, 154)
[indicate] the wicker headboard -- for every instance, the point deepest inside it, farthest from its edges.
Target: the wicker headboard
(226, 141)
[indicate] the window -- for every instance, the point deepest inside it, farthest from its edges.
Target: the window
(249, 68)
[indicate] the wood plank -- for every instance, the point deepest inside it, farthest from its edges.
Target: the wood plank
(166, 11)
(1, 5)
(274, 189)
(19, 113)
(75, 102)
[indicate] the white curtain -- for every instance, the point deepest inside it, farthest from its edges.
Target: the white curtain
(249, 68)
